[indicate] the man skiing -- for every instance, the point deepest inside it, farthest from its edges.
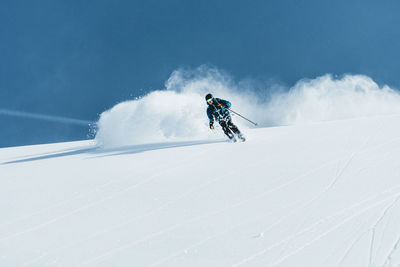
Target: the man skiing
(219, 109)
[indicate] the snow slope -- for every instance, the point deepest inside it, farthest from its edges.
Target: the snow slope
(320, 194)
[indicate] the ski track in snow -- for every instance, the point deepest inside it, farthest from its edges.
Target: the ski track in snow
(330, 230)
(348, 250)
(381, 245)
(319, 222)
(390, 254)
(353, 155)
(373, 228)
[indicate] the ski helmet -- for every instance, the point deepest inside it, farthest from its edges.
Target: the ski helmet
(208, 96)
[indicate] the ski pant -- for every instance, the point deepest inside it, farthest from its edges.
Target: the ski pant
(229, 128)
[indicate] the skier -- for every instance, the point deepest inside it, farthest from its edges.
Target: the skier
(219, 109)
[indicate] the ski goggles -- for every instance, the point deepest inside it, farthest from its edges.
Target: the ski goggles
(210, 100)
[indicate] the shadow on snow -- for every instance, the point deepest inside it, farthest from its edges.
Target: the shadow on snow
(98, 151)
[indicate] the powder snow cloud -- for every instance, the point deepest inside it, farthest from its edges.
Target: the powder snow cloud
(177, 112)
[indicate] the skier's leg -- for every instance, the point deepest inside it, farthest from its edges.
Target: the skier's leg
(234, 129)
(226, 129)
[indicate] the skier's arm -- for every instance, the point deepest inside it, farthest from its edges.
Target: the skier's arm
(210, 117)
(224, 103)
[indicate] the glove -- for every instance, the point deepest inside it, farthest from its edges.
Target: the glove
(223, 106)
(211, 126)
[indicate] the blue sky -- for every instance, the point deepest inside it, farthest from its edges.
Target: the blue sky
(78, 58)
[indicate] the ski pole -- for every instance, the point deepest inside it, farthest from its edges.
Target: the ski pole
(242, 116)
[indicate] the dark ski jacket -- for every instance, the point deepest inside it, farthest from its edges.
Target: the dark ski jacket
(219, 112)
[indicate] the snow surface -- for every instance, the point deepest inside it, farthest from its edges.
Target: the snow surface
(318, 194)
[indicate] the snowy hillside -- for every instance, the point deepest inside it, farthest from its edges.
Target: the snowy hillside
(320, 194)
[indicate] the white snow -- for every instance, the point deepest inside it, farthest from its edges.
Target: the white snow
(318, 194)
